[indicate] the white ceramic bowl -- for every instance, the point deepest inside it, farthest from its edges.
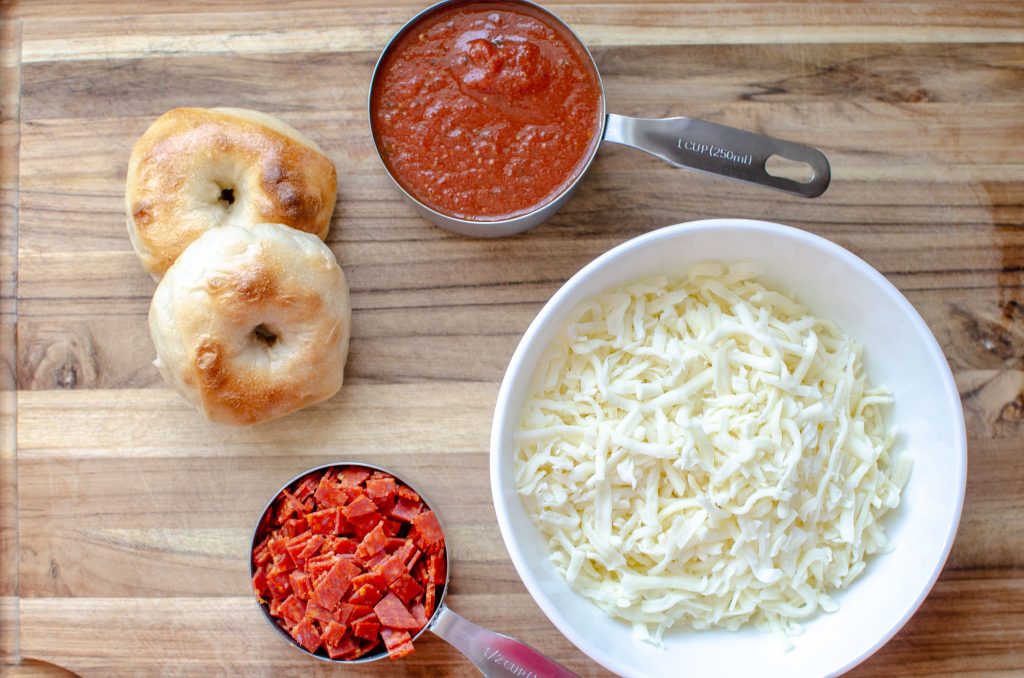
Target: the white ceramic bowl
(900, 353)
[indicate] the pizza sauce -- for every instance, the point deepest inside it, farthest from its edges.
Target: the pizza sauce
(486, 110)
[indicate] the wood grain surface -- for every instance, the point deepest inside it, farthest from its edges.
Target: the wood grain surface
(124, 517)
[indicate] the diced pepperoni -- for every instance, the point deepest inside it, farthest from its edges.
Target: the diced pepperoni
(406, 588)
(384, 506)
(429, 600)
(408, 553)
(360, 611)
(302, 584)
(406, 492)
(419, 613)
(292, 608)
(391, 569)
(372, 578)
(331, 494)
(360, 506)
(278, 582)
(375, 560)
(367, 630)
(367, 594)
(305, 488)
(428, 536)
(278, 547)
(320, 564)
(374, 542)
(291, 500)
(320, 613)
(354, 475)
(261, 554)
(333, 546)
(305, 635)
(437, 569)
(380, 489)
(333, 633)
(293, 527)
(329, 592)
(399, 643)
(343, 650)
(362, 525)
(323, 522)
(344, 545)
(405, 510)
(393, 614)
(344, 612)
(309, 549)
(259, 583)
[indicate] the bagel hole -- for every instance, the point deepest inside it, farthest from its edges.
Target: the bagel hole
(227, 196)
(264, 335)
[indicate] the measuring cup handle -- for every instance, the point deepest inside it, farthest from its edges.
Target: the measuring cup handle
(717, 149)
(495, 654)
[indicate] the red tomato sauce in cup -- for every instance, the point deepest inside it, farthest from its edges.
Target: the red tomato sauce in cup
(486, 110)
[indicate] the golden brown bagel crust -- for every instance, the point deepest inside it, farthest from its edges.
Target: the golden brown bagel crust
(180, 168)
(229, 291)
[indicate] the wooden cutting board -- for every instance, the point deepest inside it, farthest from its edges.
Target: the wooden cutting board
(124, 517)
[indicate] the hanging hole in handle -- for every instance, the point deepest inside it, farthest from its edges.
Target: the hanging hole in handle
(784, 168)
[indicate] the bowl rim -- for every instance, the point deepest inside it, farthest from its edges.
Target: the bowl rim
(734, 225)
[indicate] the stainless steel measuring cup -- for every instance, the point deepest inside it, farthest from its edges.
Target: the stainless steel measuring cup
(495, 654)
(683, 142)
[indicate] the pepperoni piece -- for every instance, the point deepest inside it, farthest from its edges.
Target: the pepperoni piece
(406, 509)
(380, 489)
(293, 527)
(367, 630)
(393, 614)
(374, 542)
(399, 643)
(354, 475)
(305, 634)
(329, 592)
(330, 494)
(344, 649)
(428, 536)
(292, 608)
(333, 633)
(323, 522)
(372, 578)
(319, 613)
(391, 569)
(437, 569)
(366, 595)
(302, 584)
(406, 588)
(419, 613)
(305, 489)
(344, 545)
(360, 506)
(259, 583)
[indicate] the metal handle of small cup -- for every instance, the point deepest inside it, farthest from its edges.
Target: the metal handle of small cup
(720, 150)
(495, 654)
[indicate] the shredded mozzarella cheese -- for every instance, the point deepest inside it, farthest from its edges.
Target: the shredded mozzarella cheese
(703, 451)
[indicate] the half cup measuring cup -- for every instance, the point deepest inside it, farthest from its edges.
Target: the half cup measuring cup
(494, 654)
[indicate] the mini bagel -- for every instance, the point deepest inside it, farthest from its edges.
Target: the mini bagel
(196, 169)
(252, 323)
